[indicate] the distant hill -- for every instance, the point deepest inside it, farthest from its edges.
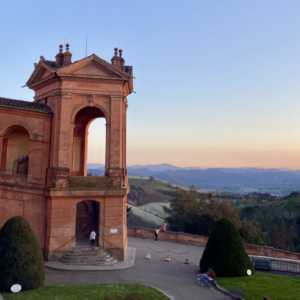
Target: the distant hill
(157, 168)
(234, 180)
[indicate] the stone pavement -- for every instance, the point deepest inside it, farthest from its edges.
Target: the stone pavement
(174, 278)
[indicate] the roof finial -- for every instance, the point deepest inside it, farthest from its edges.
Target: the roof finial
(42, 57)
(120, 52)
(59, 57)
(67, 56)
(116, 51)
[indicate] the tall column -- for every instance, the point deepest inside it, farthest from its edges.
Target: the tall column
(107, 149)
(61, 141)
(3, 152)
(65, 149)
(86, 141)
(125, 134)
(116, 170)
(116, 132)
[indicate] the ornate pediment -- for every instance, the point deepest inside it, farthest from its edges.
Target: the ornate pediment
(94, 69)
(92, 66)
(41, 71)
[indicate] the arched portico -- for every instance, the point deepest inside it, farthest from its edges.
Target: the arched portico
(15, 150)
(6, 127)
(82, 121)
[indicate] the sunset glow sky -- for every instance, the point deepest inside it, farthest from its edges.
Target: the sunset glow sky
(217, 82)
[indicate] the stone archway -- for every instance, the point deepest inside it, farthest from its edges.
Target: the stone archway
(87, 219)
(82, 121)
(15, 150)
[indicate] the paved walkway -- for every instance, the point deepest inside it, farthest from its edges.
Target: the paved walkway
(174, 278)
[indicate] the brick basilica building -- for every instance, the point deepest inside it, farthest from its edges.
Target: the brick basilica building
(43, 153)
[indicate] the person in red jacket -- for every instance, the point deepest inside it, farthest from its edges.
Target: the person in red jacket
(163, 228)
(210, 274)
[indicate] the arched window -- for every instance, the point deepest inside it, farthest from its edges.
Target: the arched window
(81, 142)
(96, 147)
(15, 150)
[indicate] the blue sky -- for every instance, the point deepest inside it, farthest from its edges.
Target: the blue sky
(217, 82)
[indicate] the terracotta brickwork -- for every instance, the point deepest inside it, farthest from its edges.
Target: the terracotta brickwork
(180, 237)
(43, 152)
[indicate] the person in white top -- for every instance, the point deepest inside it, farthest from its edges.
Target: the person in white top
(156, 231)
(92, 238)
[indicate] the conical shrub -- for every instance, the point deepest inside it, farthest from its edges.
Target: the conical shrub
(225, 252)
(21, 258)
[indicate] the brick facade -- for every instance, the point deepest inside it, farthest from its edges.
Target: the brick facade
(44, 181)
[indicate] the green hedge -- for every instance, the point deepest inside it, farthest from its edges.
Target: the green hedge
(21, 258)
(225, 252)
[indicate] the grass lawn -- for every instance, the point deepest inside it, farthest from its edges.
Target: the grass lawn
(88, 292)
(261, 285)
(137, 181)
(155, 184)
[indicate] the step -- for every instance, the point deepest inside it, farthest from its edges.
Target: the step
(86, 255)
(71, 257)
(103, 255)
(86, 258)
(86, 249)
(89, 262)
(102, 263)
(87, 252)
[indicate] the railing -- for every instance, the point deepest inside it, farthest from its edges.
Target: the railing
(64, 244)
(12, 173)
(87, 181)
(279, 264)
(20, 166)
(113, 249)
(196, 240)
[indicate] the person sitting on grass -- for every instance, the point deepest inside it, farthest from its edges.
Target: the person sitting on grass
(210, 274)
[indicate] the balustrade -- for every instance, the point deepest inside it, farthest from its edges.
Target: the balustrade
(280, 264)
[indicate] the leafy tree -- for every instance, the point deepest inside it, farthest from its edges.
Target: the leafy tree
(21, 258)
(282, 236)
(252, 233)
(225, 252)
(280, 219)
(196, 214)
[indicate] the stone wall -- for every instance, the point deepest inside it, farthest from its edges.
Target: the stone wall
(26, 202)
(183, 238)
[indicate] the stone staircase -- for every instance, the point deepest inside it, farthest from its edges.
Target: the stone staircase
(84, 254)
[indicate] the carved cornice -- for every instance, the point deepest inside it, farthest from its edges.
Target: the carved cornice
(45, 81)
(66, 95)
(93, 75)
(83, 79)
(117, 98)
